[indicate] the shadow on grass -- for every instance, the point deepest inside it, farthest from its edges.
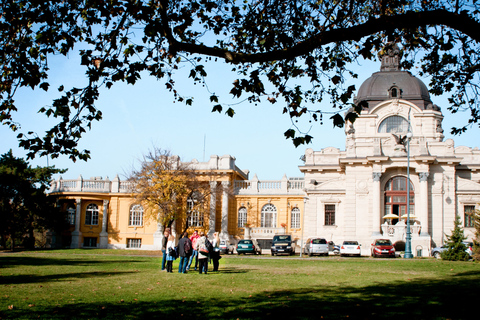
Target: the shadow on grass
(417, 299)
(11, 261)
(32, 278)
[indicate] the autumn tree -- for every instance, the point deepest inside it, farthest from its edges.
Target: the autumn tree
(24, 204)
(169, 188)
(296, 54)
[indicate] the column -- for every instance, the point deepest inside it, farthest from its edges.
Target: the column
(158, 235)
(76, 235)
(104, 233)
(422, 213)
(224, 230)
(376, 214)
(213, 204)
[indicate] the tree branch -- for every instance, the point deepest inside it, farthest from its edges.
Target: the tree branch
(410, 20)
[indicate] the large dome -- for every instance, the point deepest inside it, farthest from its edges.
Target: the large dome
(392, 83)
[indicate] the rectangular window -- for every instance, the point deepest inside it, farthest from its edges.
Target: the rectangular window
(134, 243)
(329, 214)
(295, 218)
(90, 242)
(468, 218)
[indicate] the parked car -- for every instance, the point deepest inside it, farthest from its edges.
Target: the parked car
(316, 246)
(437, 252)
(248, 246)
(350, 248)
(226, 247)
(334, 248)
(383, 248)
(283, 244)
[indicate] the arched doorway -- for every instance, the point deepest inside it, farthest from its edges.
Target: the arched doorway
(396, 199)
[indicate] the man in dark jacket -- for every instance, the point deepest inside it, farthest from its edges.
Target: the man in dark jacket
(184, 252)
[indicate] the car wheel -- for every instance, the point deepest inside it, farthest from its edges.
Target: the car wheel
(437, 255)
(309, 254)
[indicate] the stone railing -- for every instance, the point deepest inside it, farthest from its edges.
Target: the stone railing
(91, 185)
(284, 186)
(398, 231)
(259, 233)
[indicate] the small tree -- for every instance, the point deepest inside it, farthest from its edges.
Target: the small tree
(455, 248)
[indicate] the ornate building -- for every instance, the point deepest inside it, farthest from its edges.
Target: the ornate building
(395, 160)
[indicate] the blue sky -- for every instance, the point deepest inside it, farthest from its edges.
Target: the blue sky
(136, 118)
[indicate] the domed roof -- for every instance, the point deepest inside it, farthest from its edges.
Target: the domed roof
(392, 83)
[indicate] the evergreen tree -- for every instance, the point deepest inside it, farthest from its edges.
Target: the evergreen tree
(455, 248)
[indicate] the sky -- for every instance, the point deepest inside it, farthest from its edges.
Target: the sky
(140, 117)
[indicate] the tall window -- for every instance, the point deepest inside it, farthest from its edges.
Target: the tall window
(194, 217)
(468, 218)
(393, 124)
(136, 215)
(91, 215)
(71, 215)
(242, 217)
(269, 216)
(329, 214)
(396, 199)
(295, 218)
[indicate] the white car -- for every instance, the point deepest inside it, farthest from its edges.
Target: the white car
(350, 248)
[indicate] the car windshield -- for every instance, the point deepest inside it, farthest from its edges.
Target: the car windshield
(383, 243)
(350, 243)
(319, 241)
(281, 238)
(245, 241)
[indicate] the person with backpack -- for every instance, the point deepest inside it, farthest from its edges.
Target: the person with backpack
(184, 252)
(203, 252)
(194, 255)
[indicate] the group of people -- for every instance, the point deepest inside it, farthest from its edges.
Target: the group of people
(197, 247)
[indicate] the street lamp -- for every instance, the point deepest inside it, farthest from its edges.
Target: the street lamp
(303, 224)
(408, 244)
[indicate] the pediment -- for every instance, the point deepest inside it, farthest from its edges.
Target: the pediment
(467, 185)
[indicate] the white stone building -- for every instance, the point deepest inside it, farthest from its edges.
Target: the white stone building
(352, 193)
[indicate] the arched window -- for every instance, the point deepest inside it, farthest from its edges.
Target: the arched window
(136, 215)
(194, 217)
(71, 212)
(269, 216)
(91, 215)
(295, 218)
(242, 217)
(396, 199)
(393, 124)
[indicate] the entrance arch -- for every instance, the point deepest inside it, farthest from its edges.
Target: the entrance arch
(396, 199)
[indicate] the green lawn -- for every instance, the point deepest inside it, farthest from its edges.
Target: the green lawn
(117, 284)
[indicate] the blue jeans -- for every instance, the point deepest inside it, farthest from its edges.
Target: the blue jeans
(194, 255)
(164, 259)
(182, 266)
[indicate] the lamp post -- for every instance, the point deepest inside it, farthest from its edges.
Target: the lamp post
(408, 244)
(303, 224)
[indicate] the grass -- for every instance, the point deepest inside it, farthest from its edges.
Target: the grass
(117, 284)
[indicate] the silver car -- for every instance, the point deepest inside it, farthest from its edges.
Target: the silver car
(317, 246)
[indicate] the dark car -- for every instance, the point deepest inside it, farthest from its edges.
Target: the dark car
(383, 248)
(283, 244)
(248, 246)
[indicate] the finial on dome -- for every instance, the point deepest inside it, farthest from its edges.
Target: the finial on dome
(390, 57)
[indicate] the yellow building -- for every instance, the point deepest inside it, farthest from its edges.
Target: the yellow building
(102, 212)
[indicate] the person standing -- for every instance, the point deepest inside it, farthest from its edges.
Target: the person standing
(202, 253)
(184, 251)
(164, 248)
(170, 248)
(194, 255)
(216, 251)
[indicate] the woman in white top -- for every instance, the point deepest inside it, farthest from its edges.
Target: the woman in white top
(170, 248)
